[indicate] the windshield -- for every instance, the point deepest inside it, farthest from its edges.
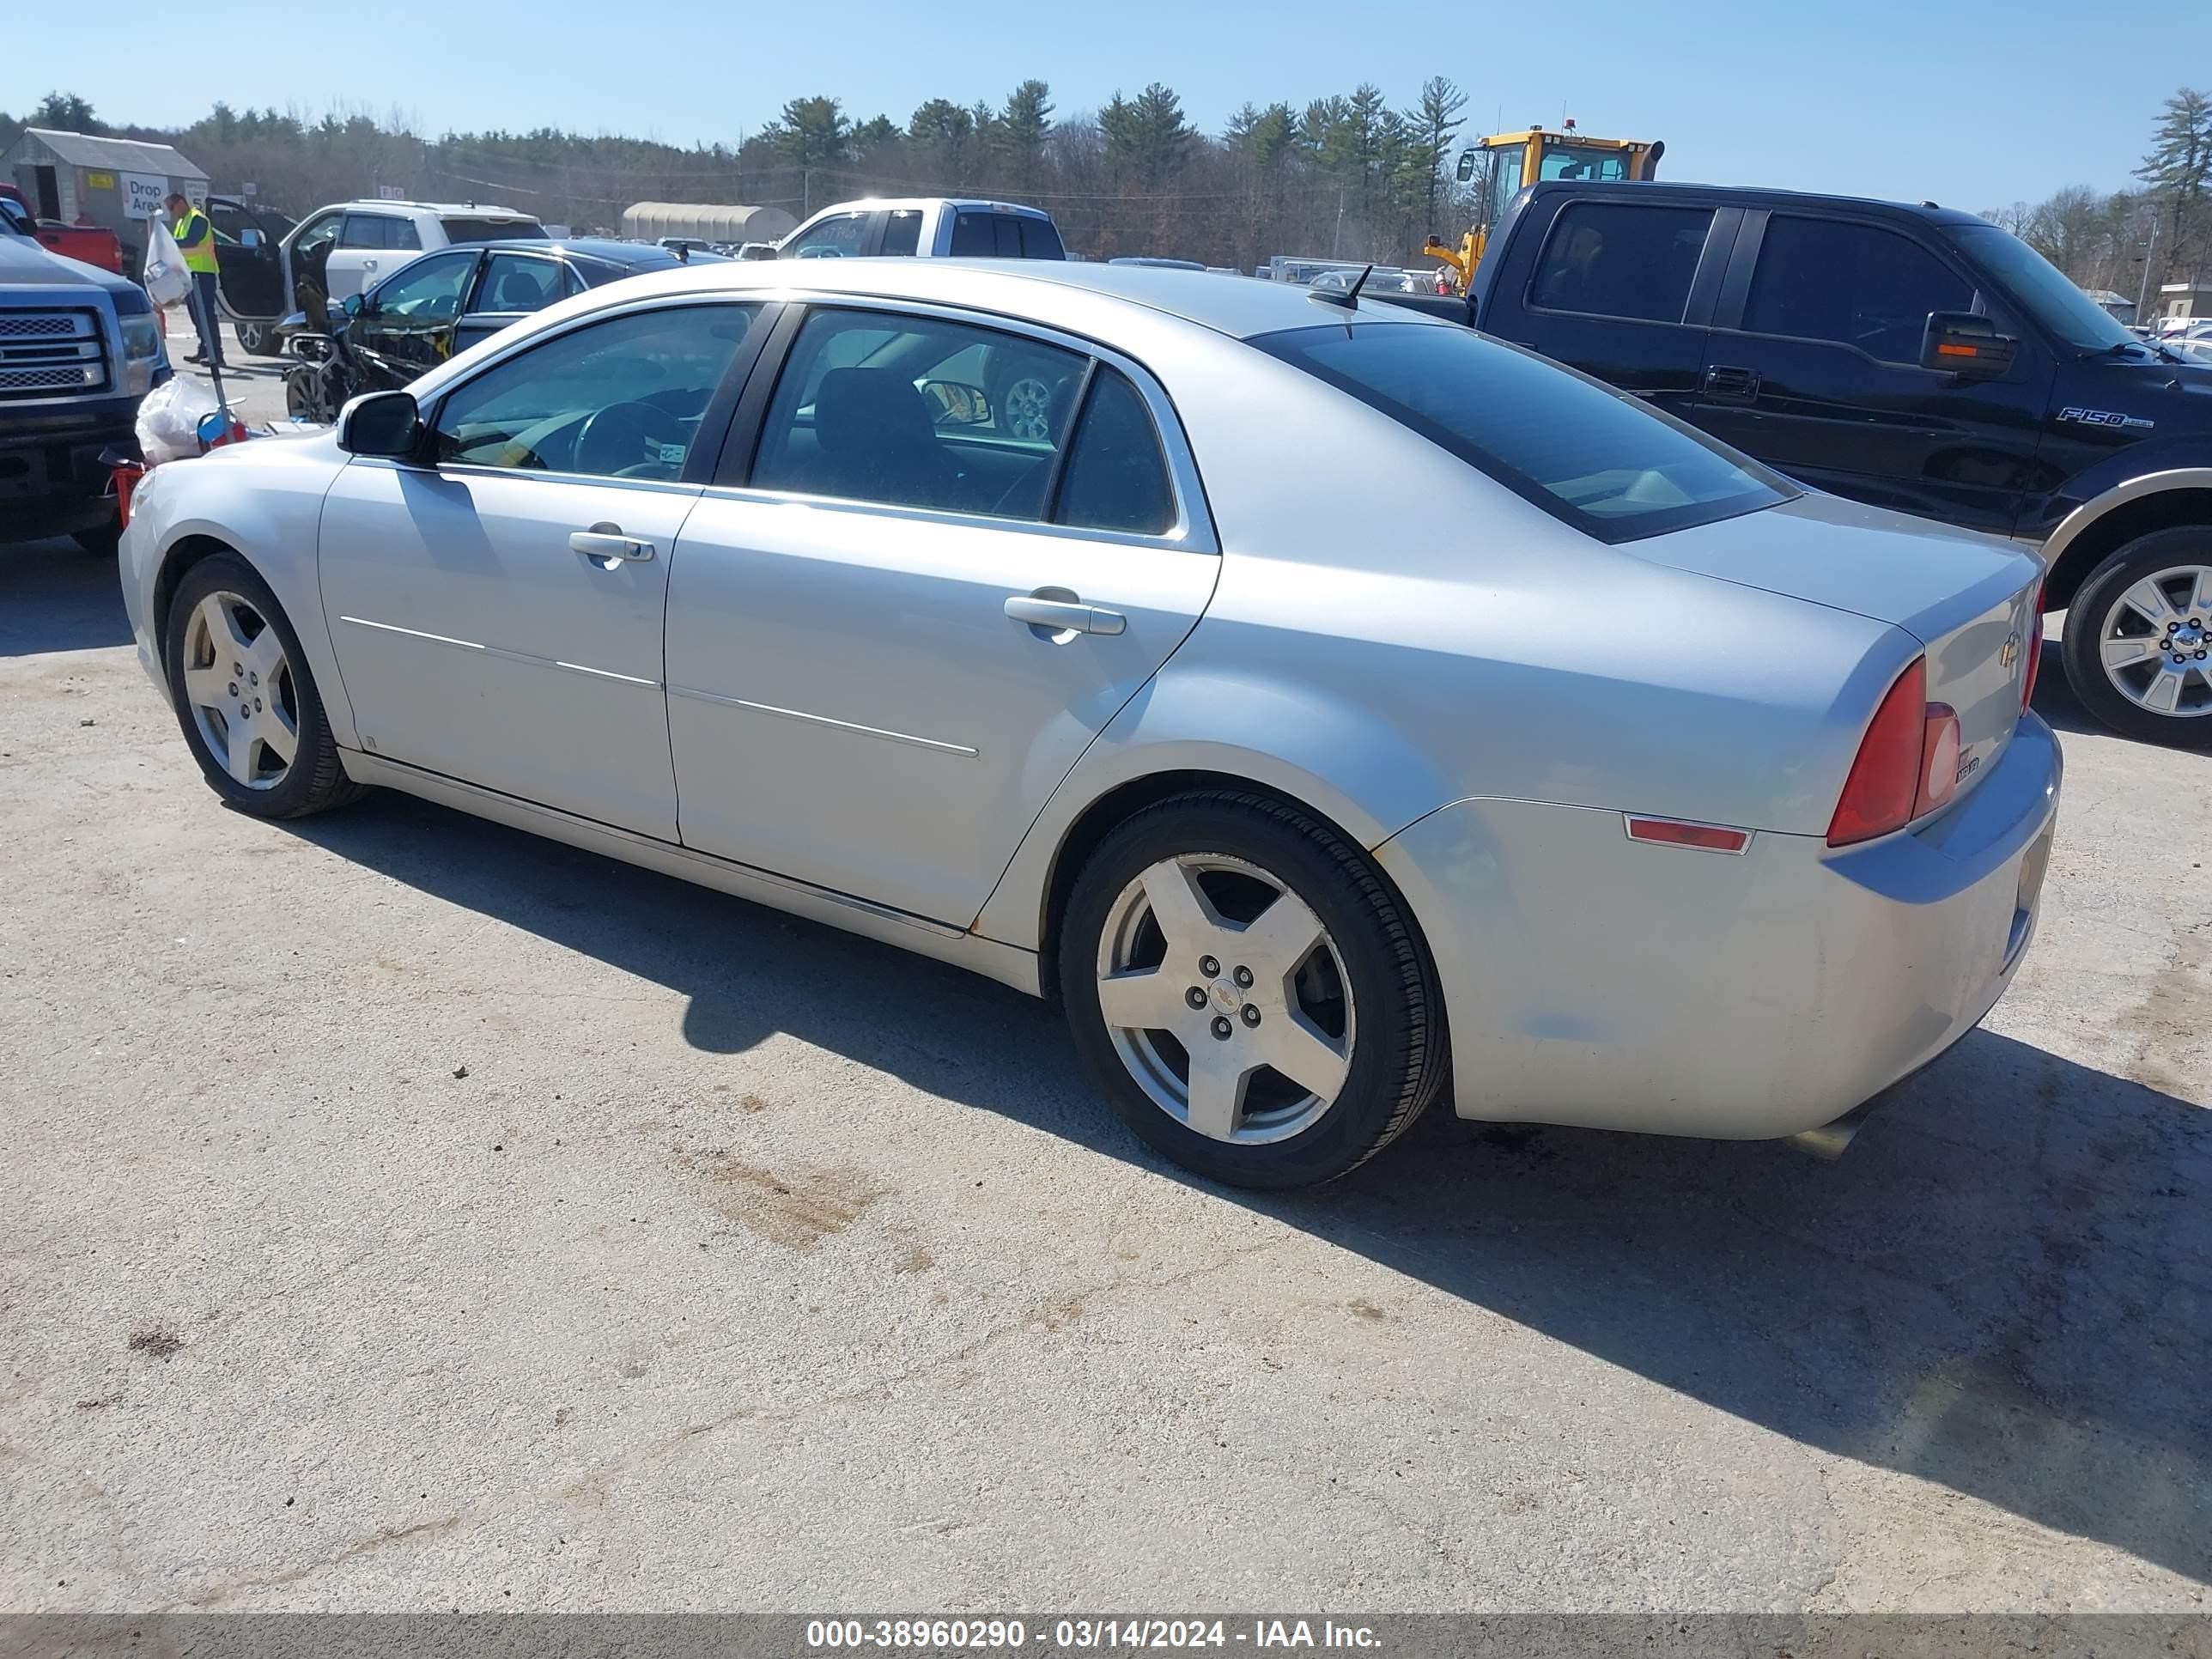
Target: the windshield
(2043, 290)
(1592, 457)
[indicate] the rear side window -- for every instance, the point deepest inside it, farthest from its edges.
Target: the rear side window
(1613, 259)
(460, 229)
(369, 230)
(1857, 285)
(902, 231)
(1116, 475)
(1040, 240)
(1589, 456)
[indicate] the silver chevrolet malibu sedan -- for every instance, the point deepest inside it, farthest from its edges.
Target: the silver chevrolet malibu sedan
(1329, 705)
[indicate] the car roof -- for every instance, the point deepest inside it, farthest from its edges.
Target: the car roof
(646, 256)
(1663, 190)
(1072, 296)
(466, 209)
(871, 203)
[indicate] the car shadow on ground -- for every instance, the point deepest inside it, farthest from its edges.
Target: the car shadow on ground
(2004, 1288)
(54, 596)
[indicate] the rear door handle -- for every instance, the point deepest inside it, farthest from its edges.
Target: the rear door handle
(1064, 616)
(1734, 385)
(605, 545)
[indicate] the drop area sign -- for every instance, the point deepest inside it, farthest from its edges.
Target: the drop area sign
(143, 193)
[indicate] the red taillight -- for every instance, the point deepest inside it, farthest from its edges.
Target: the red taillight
(1887, 777)
(2034, 652)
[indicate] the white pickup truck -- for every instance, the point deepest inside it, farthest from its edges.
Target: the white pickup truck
(929, 226)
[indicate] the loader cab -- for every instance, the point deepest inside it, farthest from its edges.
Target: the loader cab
(1502, 165)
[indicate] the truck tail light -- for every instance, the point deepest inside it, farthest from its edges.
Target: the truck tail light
(1887, 776)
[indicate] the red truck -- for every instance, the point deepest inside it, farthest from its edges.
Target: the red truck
(95, 245)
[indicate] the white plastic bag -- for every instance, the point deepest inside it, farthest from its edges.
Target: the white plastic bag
(168, 282)
(169, 420)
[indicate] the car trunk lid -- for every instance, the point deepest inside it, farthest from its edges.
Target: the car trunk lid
(1969, 599)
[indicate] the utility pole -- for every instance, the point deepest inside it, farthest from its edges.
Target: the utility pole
(2143, 294)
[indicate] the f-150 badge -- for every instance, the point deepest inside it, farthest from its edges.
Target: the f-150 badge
(2104, 417)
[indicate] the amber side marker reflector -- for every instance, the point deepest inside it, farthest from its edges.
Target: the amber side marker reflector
(1958, 351)
(1698, 837)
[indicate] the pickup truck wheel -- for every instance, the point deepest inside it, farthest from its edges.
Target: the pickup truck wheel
(2138, 646)
(245, 697)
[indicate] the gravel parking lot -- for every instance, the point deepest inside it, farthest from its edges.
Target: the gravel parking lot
(404, 1212)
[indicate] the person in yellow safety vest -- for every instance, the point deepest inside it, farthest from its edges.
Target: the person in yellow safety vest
(196, 241)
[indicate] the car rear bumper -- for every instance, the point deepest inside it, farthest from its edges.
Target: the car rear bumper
(1591, 980)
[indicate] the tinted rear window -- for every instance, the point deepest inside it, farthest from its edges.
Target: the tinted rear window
(493, 230)
(1610, 259)
(1005, 236)
(1589, 456)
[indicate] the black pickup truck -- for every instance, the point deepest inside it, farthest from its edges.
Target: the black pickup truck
(1915, 357)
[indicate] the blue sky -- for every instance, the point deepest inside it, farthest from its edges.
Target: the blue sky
(1970, 104)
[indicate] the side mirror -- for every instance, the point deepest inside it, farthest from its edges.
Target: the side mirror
(959, 403)
(1466, 166)
(385, 423)
(1963, 342)
(353, 305)
(249, 238)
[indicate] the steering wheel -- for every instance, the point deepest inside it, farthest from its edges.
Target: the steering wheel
(627, 435)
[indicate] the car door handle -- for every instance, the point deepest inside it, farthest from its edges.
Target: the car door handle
(605, 545)
(1064, 616)
(1736, 385)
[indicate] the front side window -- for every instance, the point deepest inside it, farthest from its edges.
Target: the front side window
(1590, 456)
(518, 281)
(916, 412)
(834, 237)
(902, 231)
(621, 398)
(1857, 285)
(1613, 259)
(317, 236)
(428, 287)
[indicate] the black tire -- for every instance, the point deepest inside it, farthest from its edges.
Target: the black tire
(1399, 1057)
(315, 782)
(2146, 555)
(101, 541)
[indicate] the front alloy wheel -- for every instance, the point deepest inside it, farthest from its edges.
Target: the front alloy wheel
(2138, 646)
(245, 695)
(2155, 641)
(240, 689)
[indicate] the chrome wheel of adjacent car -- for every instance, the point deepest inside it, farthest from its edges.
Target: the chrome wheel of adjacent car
(2155, 641)
(240, 689)
(1025, 410)
(1225, 997)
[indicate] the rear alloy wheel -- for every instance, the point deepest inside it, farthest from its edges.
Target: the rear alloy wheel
(244, 697)
(2138, 647)
(1025, 409)
(259, 339)
(1247, 992)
